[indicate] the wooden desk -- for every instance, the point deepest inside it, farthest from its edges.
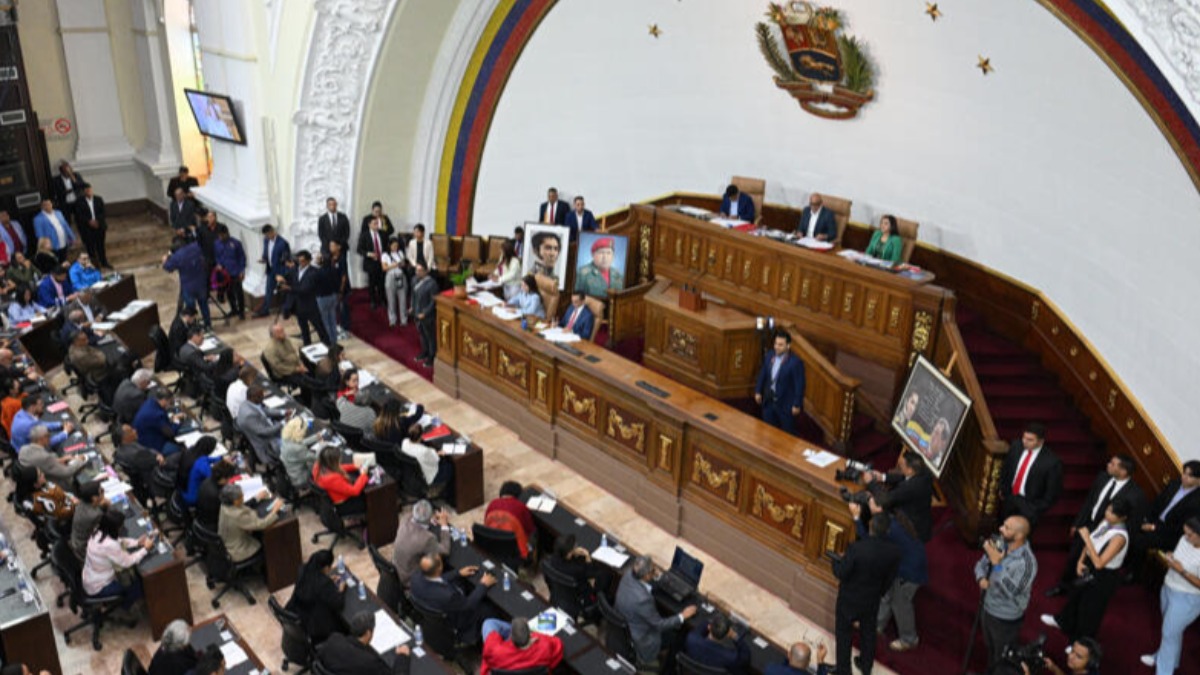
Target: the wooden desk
(383, 516)
(26, 633)
(735, 486)
(715, 351)
(41, 340)
(135, 331)
(423, 661)
(218, 631)
(281, 551)
(164, 573)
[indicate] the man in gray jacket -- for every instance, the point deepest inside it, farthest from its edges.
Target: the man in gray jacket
(60, 470)
(258, 423)
(1006, 574)
(636, 603)
(425, 308)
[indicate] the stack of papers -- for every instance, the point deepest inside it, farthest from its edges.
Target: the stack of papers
(487, 300)
(809, 242)
(560, 335)
(542, 503)
(694, 211)
(610, 556)
(210, 344)
(459, 448)
(728, 222)
(365, 379)
(138, 305)
(388, 634)
(189, 439)
(483, 285)
(275, 401)
(505, 314)
(250, 485)
(234, 654)
(103, 325)
(315, 351)
(113, 487)
(345, 365)
(821, 458)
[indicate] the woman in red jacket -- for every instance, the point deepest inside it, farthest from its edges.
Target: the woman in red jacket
(334, 478)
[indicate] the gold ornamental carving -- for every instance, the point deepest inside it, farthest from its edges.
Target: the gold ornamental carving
(737, 359)
(678, 247)
(1146, 449)
(644, 253)
(766, 275)
(826, 293)
(712, 258)
(445, 325)
(1034, 308)
(579, 406)
(695, 252)
(704, 474)
(785, 284)
(665, 444)
(847, 416)
(682, 344)
(1054, 329)
(835, 538)
(1129, 424)
(513, 369)
(1092, 376)
(1073, 351)
(478, 350)
(619, 429)
(728, 264)
(746, 271)
(872, 305)
(847, 302)
(765, 503)
(662, 241)
(542, 376)
(922, 327)
(894, 318)
(1112, 398)
(804, 288)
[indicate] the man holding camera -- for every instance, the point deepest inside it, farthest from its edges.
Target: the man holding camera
(1005, 574)
(1082, 659)
(910, 491)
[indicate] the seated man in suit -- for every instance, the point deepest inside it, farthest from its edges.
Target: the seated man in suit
(578, 319)
(737, 205)
(136, 459)
(86, 302)
(38, 454)
(216, 366)
(131, 394)
(799, 661)
(552, 211)
(1177, 502)
(33, 407)
(580, 219)
(76, 322)
(155, 427)
(177, 335)
(635, 603)
(780, 386)
(1115, 480)
(352, 654)
(1031, 478)
(237, 523)
(261, 426)
(437, 589)
(816, 221)
(424, 533)
(55, 289)
(514, 647)
(714, 643)
(910, 490)
(87, 360)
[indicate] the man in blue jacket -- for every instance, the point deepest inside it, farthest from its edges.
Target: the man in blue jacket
(188, 260)
(780, 386)
(155, 428)
(55, 289)
(51, 224)
(737, 204)
(816, 221)
(715, 644)
(578, 318)
(276, 252)
(231, 257)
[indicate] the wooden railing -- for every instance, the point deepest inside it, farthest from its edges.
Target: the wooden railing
(627, 312)
(829, 396)
(969, 479)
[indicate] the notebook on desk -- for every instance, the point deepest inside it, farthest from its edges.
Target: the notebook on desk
(682, 580)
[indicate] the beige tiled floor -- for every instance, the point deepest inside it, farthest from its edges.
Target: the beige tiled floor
(136, 245)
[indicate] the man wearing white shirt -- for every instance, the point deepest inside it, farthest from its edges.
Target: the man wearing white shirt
(1031, 478)
(51, 224)
(236, 394)
(816, 221)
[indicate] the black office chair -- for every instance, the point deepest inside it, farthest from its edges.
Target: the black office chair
(617, 637)
(280, 382)
(390, 589)
(333, 521)
(94, 610)
(686, 665)
(164, 360)
(220, 568)
(500, 545)
(353, 435)
(566, 595)
(412, 479)
(131, 664)
(536, 670)
(438, 631)
(296, 645)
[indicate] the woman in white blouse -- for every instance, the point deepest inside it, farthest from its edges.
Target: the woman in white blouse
(1098, 574)
(436, 470)
(395, 283)
(508, 270)
(1180, 598)
(107, 553)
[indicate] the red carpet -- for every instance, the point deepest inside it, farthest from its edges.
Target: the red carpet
(1018, 389)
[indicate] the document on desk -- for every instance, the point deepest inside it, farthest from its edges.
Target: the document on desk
(137, 305)
(119, 316)
(104, 325)
(560, 335)
(487, 300)
(210, 344)
(483, 285)
(822, 458)
(542, 503)
(728, 222)
(388, 634)
(365, 379)
(234, 654)
(113, 487)
(250, 485)
(695, 211)
(814, 244)
(275, 401)
(610, 556)
(315, 352)
(189, 439)
(506, 314)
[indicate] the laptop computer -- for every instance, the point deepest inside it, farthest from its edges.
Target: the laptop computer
(682, 580)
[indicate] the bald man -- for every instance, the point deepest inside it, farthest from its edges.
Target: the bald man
(816, 221)
(282, 356)
(1005, 573)
(799, 662)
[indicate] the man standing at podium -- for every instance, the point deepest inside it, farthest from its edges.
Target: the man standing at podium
(780, 386)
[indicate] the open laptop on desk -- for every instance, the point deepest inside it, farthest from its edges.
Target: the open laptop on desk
(682, 580)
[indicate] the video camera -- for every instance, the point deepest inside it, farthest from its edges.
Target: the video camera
(853, 472)
(1031, 654)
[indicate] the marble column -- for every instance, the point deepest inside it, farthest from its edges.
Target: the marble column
(160, 155)
(87, 44)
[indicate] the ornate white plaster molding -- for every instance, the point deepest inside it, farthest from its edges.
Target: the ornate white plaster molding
(1174, 28)
(346, 40)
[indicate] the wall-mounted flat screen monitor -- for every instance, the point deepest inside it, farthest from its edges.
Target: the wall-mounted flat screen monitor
(215, 116)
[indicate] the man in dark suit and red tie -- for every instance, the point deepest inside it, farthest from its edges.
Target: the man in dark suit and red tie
(553, 211)
(737, 204)
(1031, 479)
(578, 318)
(816, 221)
(780, 386)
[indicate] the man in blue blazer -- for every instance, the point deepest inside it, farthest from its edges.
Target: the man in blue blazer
(578, 318)
(552, 211)
(780, 386)
(580, 219)
(276, 252)
(715, 644)
(51, 224)
(817, 222)
(156, 429)
(737, 204)
(55, 289)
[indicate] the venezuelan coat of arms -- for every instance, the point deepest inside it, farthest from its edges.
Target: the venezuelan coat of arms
(827, 71)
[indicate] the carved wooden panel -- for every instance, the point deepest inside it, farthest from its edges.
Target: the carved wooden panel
(445, 337)
(513, 368)
(715, 475)
(627, 429)
(682, 344)
(476, 348)
(779, 510)
(579, 403)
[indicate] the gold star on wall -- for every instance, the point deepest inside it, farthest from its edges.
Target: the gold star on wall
(932, 10)
(984, 65)
(654, 30)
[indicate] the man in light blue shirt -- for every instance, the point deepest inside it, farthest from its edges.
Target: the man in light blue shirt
(29, 416)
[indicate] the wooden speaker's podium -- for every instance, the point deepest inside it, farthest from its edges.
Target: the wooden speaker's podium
(712, 349)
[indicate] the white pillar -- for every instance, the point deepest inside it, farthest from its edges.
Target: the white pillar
(102, 142)
(237, 188)
(160, 155)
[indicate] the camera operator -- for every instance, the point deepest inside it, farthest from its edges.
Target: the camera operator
(864, 574)
(909, 491)
(911, 575)
(1005, 574)
(1082, 659)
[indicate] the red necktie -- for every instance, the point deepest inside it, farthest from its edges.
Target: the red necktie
(550, 212)
(574, 315)
(378, 254)
(12, 234)
(1016, 486)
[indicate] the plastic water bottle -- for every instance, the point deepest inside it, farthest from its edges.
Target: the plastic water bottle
(507, 581)
(341, 565)
(362, 590)
(418, 636)
(23, 586)
(603, 540)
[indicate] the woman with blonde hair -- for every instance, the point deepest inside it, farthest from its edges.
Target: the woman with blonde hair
(297, 458)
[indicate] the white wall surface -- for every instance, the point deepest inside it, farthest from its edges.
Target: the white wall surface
(1047, 170)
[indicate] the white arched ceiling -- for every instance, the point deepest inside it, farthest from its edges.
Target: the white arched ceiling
(1047, 170)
